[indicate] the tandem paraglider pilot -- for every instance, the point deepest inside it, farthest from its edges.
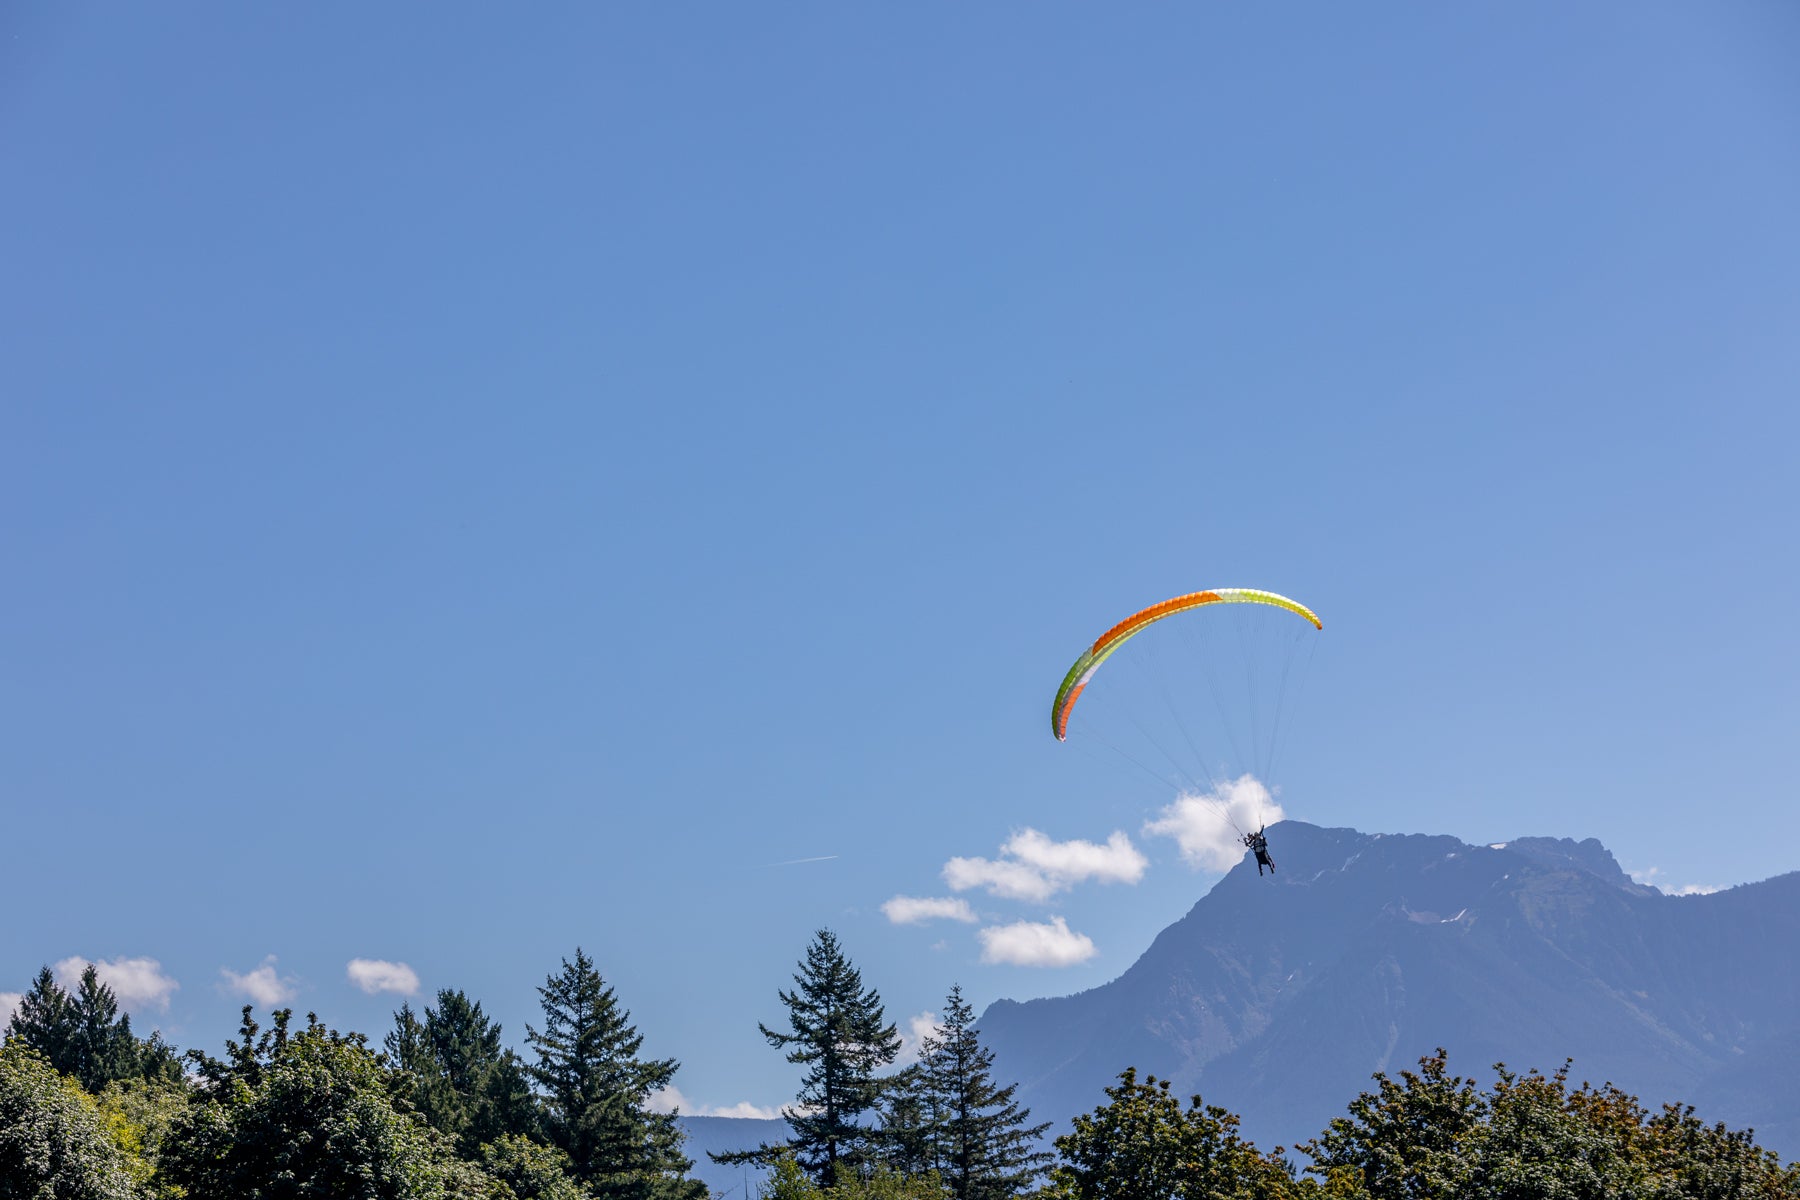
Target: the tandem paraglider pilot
(1259, 845)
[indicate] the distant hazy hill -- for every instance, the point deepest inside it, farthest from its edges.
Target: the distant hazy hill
(721, 1134)
(1278, 998)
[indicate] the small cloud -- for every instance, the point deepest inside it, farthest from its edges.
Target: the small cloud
(742, 1109)
(1009, 880)
(669, 1099)
(9, 1004)
(912, 1038)
(1205, 824)
(1648, 875)
(374, 975)
(1033, 867)
(912, 910)
(136, 983)
(261, 985)
(1028, 944)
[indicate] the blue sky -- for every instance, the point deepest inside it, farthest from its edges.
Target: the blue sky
(474, 483)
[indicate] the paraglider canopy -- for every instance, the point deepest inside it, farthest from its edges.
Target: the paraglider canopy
(1200, 702)
(1077, 679)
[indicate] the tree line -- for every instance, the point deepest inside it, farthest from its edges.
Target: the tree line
(444, 1110)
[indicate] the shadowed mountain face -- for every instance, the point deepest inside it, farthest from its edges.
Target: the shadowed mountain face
(1278, 998)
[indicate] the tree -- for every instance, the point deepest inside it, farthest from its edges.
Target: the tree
(1403, 1140)
(841, 1034)
(984, 1149)
(104, 1047)
(1141, 1145)
(54, 1143)
(308, 1114)
(85, 1035)
(140, 1115)
(595, 1086)
(1533, 1137)
(462, 1080)
(787, 1181)
(45, 1021)
(909, 1128)
(530, 1170)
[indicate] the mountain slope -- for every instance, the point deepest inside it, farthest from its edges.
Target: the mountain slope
(1279, 998)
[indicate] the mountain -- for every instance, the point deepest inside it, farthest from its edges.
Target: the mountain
(1278, 998)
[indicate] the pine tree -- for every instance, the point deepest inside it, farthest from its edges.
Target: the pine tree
(47, 1023)
(909, 1124)
(84, 1035)
(841, 1034)
(105, 1049)
(594, 1087)
(984, 1149)
(463, 1081)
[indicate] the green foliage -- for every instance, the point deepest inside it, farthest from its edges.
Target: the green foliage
(909, 1123)
(595, 1087)
(459, 1077)
(308, 1115)
(1710, 1162)
(45, 1021)
(1142, 1145)
(139, 1115)
(1540, 1142)
(54, 1142)
(1403, 1141)
(979, 1138)
(1533, 1137)
(85, 1035)
(789, 1181)
(840, 1033)
(530, 1170)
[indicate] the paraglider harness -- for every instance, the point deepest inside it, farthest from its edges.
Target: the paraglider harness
(1259, 846)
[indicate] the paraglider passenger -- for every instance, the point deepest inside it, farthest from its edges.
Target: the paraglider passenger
(1259, 845)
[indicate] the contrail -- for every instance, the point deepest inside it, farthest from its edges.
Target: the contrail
(794, 862)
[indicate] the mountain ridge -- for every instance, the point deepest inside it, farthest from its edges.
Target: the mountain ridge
(1279, 998)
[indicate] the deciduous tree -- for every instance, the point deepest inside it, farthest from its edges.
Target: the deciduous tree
(54, 1143)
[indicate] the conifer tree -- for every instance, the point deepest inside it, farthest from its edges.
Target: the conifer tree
(45, 1021)
(909, 1124)
(84, 1035)
(594, 1088)
(105, 1049)
(462, 1080)
(842, 1036)
(984, 1148)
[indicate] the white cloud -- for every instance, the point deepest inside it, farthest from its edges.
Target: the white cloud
(1028, 944)
(1648, 875)
(911, 910)
(136, 983)
(1033, 867)
(261, 985)
(668, 1099)
(374, 975)
(9, 1004)
(1012, 880)
(912, 1038)
(1205, 824)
